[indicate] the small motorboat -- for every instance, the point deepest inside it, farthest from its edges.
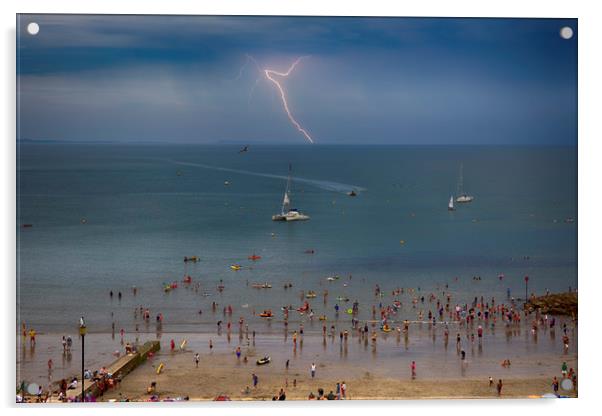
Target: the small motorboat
(264, 360)
(192, 259)
(254, 257)
(333, 278)
(266, 314)
(236, 267)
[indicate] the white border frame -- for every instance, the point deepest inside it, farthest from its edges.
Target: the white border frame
(590, 201)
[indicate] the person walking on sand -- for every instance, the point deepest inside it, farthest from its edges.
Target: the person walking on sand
(172, 345)
(313, 370)
(413, 367)
(255, 380)
(210, 344)
(499, 387)
(564, 369)
(344, 390)
(197, 358)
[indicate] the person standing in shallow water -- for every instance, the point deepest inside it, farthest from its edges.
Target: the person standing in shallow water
(499, 387)
(313, 370)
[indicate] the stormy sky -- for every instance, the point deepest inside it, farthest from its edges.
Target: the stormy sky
(178, 79)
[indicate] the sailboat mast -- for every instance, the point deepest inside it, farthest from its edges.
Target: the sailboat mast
(461, 180)
(286, 200)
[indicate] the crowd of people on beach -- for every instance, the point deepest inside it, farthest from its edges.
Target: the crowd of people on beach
(472, 323)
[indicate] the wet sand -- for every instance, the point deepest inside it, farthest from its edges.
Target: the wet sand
(371, 371)
(223, 374)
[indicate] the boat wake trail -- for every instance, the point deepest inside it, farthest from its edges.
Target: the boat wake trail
(326, 185)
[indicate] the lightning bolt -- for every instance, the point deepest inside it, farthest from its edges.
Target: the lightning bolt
(268, 73)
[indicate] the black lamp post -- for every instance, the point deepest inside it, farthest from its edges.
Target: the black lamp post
(82, 333)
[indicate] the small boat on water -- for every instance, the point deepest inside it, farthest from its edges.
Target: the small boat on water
(266, 314)
(462, 196)
(311, 294)
(303, 308)
(264, 360)
(236, 267)
(254, 257)
(262, 286)
(342, 298)
(333, 278)
(286, 212)
(450, 205)
(192, 259)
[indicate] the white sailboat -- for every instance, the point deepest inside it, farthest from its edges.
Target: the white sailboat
(450, 205)
(462, 196)
(286, 212)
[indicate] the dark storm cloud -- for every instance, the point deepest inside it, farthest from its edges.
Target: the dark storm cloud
(377, 80)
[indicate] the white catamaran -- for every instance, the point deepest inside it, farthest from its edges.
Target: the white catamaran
(287, 213)
(462, 196)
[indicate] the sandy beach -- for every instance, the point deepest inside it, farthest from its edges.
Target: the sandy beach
(371, 370)
(217, 375)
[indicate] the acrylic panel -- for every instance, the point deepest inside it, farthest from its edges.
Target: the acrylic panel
(295, 208)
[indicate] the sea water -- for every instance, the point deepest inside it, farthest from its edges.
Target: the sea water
(111, 216)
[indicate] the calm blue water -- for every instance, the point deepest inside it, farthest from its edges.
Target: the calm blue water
(142, 219)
